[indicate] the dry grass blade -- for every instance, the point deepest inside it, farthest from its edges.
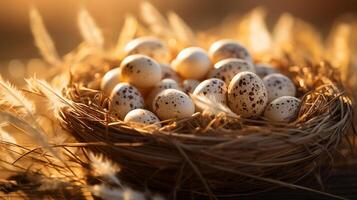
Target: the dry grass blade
(127, 33)
(90, 32)
(211, 106)
(43, 40)
(156, 22)
(13, 97)
(182, 31)
(104, 168)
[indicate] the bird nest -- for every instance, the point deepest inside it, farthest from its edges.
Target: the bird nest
(217, 155)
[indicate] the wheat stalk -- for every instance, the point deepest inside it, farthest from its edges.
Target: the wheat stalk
(90, 32)
(43, 40)
(10, 95)
(156, 22)
(182, 31)
(127, 33)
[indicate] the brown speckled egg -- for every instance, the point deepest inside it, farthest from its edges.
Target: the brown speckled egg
(125, 98)
(227, 48)
(214, 89)
(142, 117)
(171, 103)
(189, 85)
(140, 71)
(162, 85)
(192, 63)
(262, 69)
(247, 95)
(168, 72)
(226, 69)
(109, 81)
(282, 109)
(278, 85)
(150, 46)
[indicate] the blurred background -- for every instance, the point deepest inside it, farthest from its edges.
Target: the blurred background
(16, 41)
(60, 17)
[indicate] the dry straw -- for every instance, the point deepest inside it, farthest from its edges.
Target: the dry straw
(214, 154)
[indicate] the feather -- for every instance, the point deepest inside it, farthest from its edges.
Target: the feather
(43, 40)
(30, 128)
(13, 97)
(55, 98)
(104, 168)
(212, 106)
(182, 31)
(156, 22)
(89, 30)
(108, 193)
(127, 33)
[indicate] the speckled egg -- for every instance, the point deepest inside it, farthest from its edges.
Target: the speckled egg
(142, 117)
(226, 69)
(168, 72)
(192, 63)
(227, 48)
(109, 81)
(278, 85)
(150, 46)
(140, 71)
(125, 98)
(189, 85)
(173, 103)
(214, 89)
(162, 85)
(247, 95)
(282, 109)
(262, 69)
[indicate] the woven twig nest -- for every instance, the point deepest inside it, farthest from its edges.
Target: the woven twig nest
(218, 155)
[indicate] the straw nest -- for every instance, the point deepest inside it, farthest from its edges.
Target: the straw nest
(214, 153)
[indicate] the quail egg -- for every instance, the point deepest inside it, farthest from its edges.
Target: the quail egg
(142, 117)
(247, 95)
(214, 89)
(226, 69)
(227, 48)
(278, 85)
(109, 81)
(172, 103)
(150, 46)
(282, 109)
(140, 71)
(125, 98)
(192, 63)
(263, 70)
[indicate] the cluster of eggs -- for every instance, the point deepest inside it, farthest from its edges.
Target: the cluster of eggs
(147, 87)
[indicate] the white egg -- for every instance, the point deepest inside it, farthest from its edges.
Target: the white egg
(262, 69)
(227, 48)
(142, 117)
(214, 89)
(192, 63)
(150, 46)
(168, 72)
(278, 85)
(226, 69)
(282, 109)
(189, 85)
(109, 81)
(247, 95)
(125, 98)
(173, 103)
(162, 85)
(140, 71)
